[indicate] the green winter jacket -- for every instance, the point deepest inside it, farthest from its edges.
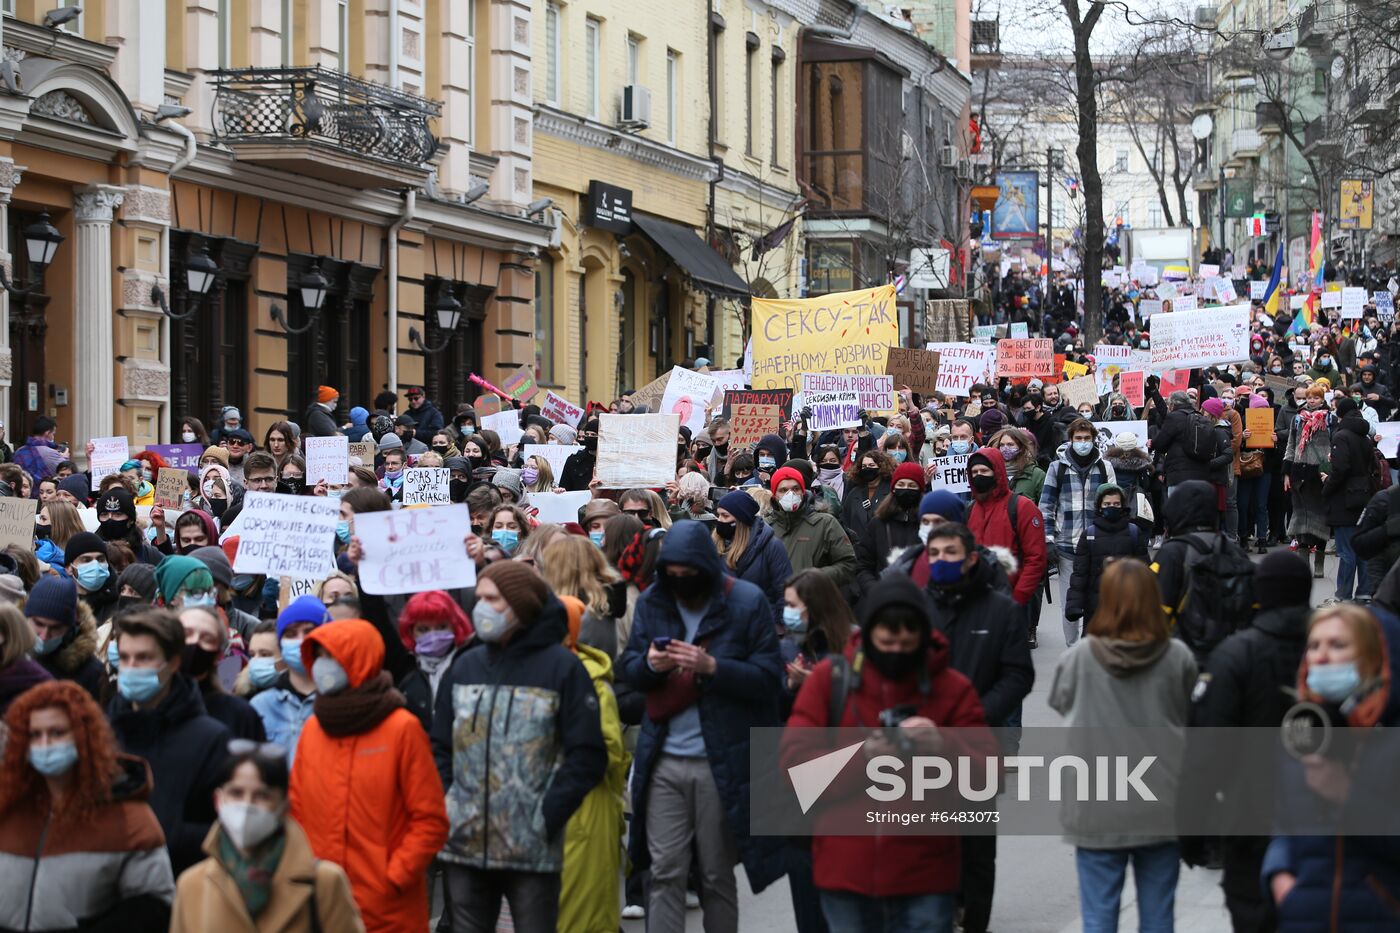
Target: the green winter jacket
(815, 539)
(1029, 482)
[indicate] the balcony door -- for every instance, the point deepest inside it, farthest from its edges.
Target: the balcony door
(335, 350)
(28, 329)
(209, 360)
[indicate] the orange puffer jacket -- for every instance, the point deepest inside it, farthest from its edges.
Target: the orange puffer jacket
(371, 802)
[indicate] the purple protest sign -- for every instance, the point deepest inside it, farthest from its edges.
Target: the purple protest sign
(180, 456)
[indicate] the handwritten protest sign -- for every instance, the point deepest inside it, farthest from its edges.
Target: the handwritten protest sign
(1184, 303)
(17, 522)
(1112, 357)
(1106, 431)
(413, 550)
(108, 455)
(1020, 330)
(637, 450)
(1225, 291)
(327, 459)
(1074, 370)
(832, 410)
(780, 397)
(1131, 385)
(1076, 392)
(1353, 302)
(1166, 290)
(650, 394)
(1259, 422)
(171, 485)
(844, 332)
(727, 380)
(687, 395)
(427, 486)
(876, 392)
(559, 507)
(287, 535)
(1256, 290)
(488, 403)
(915, 368)
(1332, 299)
(361, 450)
(182, 456)
(1150, 306)
(506, 424)
(520, 385)
(962, 365)
(983, 333)
(1208, 270)
(1033, 356)
(556, 455)
(560, 410)
(1189, 339)
(751, 422)
(950, 473)
(289, 588)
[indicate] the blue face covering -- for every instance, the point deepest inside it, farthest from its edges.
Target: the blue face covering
(958, 448)
(113, 658)
(291, 654)
(1334, 682)
(139, 684)
(899, 456)
(945, 572)
(342, 532)
(262, 672)
(48, 645)
(92, 576)
(793, 621)
(766, 463)
(205, 599)
(508, 539)
(596, 537)
(53, 760)
(1083, 447)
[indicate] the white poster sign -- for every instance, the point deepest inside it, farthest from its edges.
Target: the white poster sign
(832, 410)
(559, 507)
(1256, 290)
(1183, 303)
(427, 486)
(556, 455)
(1150, 306)
(961, 365)
(688, 394)
(1188, 339)
(108, 455)
(506, 424)
(413, 550)
(1390, 439)
(637, 450)
(327, 460)
(1353, 302)
(876, 392)
(950, 473)
(1332, 299)
(560, 410)
(281, 535)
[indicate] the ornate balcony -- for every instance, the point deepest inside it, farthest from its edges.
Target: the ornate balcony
(325, 124)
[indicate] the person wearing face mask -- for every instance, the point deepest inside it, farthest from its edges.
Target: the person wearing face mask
(116, 521)
(1109, 535)
(1067, 500)
(770, 454)
(159, 715)
(1346, 487)
(257, 851)
(264, 657)
(1324, 367)
(901, 662)
(319, 420)
(192, 432)
(80, 846)
(289, 701)
(895, 526)
(535, 701)
(1306, 456)
(207, 641)
(1316, 878)
(183, 581)
(578, 469)
(829, 473)
(85, 559)
(749, 548)
(812, 538)
(65, 634)
(436, 631)
(704, 650)
(1023, 473)
(1001, 518)
(867, 485)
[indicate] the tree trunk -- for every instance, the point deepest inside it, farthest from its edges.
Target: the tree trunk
(1086, 98)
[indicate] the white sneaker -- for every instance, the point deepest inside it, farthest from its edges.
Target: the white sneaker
(692, 901)
(633, 912)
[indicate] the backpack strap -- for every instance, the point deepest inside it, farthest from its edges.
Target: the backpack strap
(1133, 531)
(315, 908)
(1090, 531)
(845, 677)
(1011, 511)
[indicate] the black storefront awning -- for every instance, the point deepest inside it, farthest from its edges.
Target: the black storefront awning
(706, 268)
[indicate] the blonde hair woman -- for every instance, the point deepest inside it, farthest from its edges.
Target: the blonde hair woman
(543, 476)
(340, 595)
(573, 566)
(540, 538)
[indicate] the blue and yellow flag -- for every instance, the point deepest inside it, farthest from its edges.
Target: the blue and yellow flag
(1271, 292)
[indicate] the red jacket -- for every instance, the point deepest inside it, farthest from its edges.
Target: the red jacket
(990, 523)
(887, 865)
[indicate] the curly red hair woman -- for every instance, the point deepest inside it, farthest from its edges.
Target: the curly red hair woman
(435, 630)
(65, 790)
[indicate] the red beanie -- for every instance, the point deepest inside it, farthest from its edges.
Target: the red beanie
(909, 471)
(787, 473)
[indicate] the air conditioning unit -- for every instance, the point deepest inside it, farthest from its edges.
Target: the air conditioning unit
(636, 106)
(964, 170)
(950, 156)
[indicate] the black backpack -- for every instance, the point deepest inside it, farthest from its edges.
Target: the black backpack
(1199, 440)
(1218, 592)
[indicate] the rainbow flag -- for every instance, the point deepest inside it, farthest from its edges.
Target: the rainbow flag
(1315, 263)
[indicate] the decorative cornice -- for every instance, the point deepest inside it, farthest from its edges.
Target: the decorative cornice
(95, 204)
(59, 44)
(595, 135)
(757, 190)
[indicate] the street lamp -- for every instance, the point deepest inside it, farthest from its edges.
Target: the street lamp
(313, 287)
(200, 274)
(41, 241)
(449, 314)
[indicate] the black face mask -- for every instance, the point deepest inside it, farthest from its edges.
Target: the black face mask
(688, 588)
(291, 487)
(457, 490)
(869, 474)
(722, 449)
(217, 507)
(982, 482)
(126, 602)
(114, 529)
(441, 449)
(197, 661)
(42, 531)
(895, 665)
(907, 498)
(702, 453)
(590, 444)
(477, 462)
(725, 530)
(1112, 512)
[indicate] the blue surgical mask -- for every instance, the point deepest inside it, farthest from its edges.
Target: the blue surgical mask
(958, 448)
(1334, 682)
(205, 599)
(262, 672)
(113, 658)
(291, 654)
(53, 760)
(92, 576)
(945, 572)
(342, 532)
(467, 430)
(793, 621)
(139, 684)
(596, 537)
(1082, 447)
(766, 463)
(508, 540)
(48, 645)
(899, 456)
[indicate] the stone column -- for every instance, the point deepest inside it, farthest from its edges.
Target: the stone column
(95, 374)
(10, 175)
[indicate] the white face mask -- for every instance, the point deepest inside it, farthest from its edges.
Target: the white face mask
(187, 437)
(248, 825)
(924, 532)
(789, 501)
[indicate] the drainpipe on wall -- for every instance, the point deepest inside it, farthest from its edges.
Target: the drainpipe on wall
(410, 201)
(182, 163)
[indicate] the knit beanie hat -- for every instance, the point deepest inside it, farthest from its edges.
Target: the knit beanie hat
(942, 502)
(741, 505)
(218, 453)
(509, 479)
(1280, 579)
(117, 499)
(909, 471)
(1345, 406)
(306, 608)
(325, 394)
(1258, 401)
(229, 413)
(217, 561)
(783, 473)
(54, 598)
(1107, 489)
(359, 416)
(181, 571)
(78, 486)
(523, 589)
(141, 578)
(564, 434)
(1213, 407)
(84, 542)
(390, 442)
(11, 588)
(991, 422)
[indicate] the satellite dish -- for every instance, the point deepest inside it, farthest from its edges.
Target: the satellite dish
(1201, 126)
(1339, 67)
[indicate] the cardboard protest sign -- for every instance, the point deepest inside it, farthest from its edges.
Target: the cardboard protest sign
(832, 410)
(1033, 356)
(182, 456)
(327, 459)
(413, 550)
(1259, 422)
(1190, 339)
(487, 403)
(520, 385)
(289, 588)
(841, 333)
(1353, 302)
(950, 473)
(363, 450)
(1076, 392)
(506, 424)
(556, 455)
(637, 450)
(171, 485)
(780, 397)
(1108, 430)
(560, 410)
(108, 455)
(17, 522)
(876, 392)
(427, 486)
(751, 422)
(1073, 370)
(962, 365)
(287, 535)
(559, 507)
(917, 369)
(650, 394)
(688, 394)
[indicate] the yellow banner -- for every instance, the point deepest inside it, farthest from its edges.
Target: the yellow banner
(1074, 370)
(844, 333)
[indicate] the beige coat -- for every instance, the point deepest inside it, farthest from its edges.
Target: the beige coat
(207, 899)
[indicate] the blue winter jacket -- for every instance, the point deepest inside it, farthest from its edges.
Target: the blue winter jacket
(743, 692)
(283, 713)
(765, 564)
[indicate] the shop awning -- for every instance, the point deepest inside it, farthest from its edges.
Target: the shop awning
(706, 268)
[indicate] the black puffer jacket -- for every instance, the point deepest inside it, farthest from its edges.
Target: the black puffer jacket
(1120, 537)
(1377, 539)
(1169, 451)
(1191, 509)
(883, 537)
(1348, 485)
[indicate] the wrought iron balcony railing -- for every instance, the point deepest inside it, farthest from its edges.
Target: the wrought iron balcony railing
(265, 105)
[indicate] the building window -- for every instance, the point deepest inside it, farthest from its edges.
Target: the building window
(8, 6)
(75, 25)
(551, 53)
(288, 27)
(225, 23)
(673, 77)
(342, 48)
(544, 321)
(1120, 161)
(1121, 214)
(590, 32)
(1154, 215)
(634, 60)
(833, 160)
(1319, 81)
(750, 90)
(471, 72)
(1057, 215)
(775, 115)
